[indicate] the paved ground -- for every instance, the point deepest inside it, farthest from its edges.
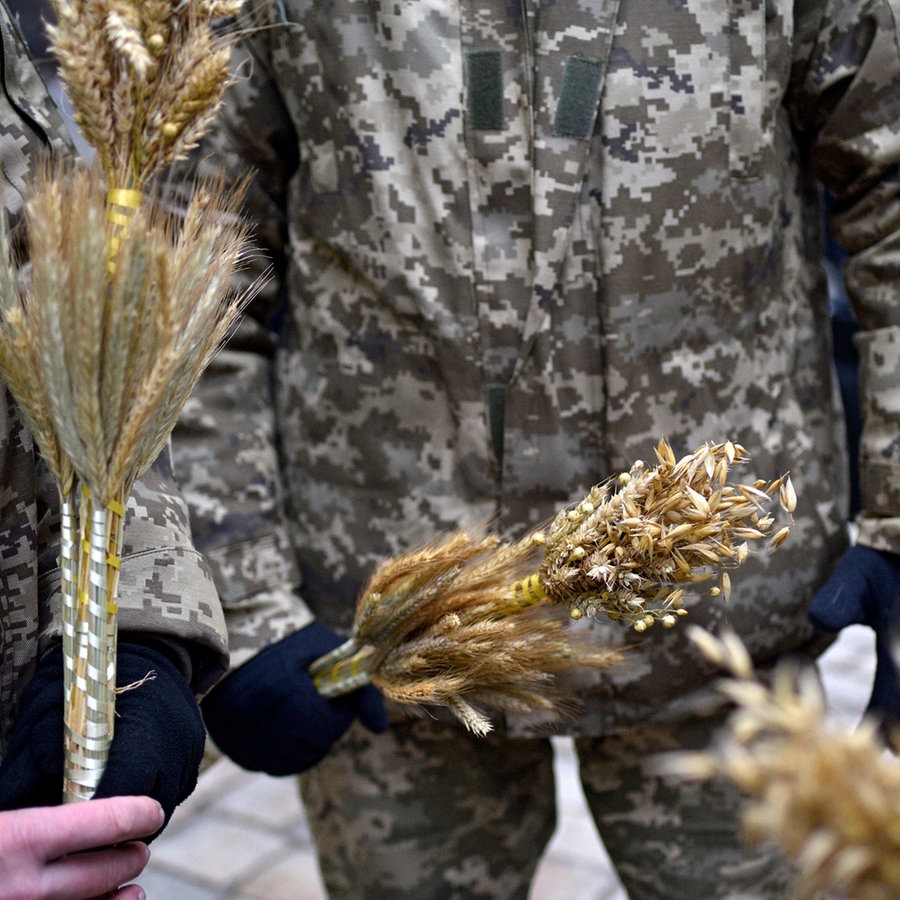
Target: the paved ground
(244, 837)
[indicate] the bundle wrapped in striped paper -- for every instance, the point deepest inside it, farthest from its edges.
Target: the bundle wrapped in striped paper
(104, 337)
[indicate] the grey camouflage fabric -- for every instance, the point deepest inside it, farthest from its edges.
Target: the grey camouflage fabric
(513, 245)
(480, 323)
(165, 587)
(423, 812)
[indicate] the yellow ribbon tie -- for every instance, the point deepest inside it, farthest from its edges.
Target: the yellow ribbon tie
(122, 203)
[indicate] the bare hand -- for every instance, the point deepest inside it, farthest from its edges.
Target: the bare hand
(52, 851)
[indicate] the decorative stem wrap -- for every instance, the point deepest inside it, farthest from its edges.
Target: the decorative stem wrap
(90, 695)
(121, 205)
(527, 592)
(344, 669)
(68, 564)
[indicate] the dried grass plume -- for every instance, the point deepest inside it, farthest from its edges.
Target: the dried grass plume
(829, 799)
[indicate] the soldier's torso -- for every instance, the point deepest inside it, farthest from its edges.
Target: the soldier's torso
(524, 246)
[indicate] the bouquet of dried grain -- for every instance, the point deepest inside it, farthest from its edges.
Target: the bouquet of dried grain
(829, 799)
(471, 621)
(104, 336)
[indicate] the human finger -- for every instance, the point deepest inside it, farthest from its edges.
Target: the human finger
(95, 873)
(61, 830)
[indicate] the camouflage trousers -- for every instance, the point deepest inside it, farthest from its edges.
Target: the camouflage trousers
(430, 811)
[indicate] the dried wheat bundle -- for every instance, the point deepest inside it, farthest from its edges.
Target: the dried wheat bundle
(114, 356)
(469, 620)
(123, 310)
(144, 77)
(432, 628)
(628, 550)
(829, 799)
(101, 360)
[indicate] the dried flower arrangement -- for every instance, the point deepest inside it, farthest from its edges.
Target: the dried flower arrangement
(121, 309)
(829, 799)
(470, 621)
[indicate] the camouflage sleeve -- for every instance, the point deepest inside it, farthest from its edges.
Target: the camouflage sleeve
(165, 586)
(225, 444)
(225, 457)
(847, 106)
(30, 124)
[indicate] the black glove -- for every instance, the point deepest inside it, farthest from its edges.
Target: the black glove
(865, 589)
(156, 749)
(267, 715)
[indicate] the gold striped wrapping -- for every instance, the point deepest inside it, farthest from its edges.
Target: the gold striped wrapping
(90, 637)
(343, 669)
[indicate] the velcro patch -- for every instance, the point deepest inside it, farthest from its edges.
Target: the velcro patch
(485, 90)
(578, 98)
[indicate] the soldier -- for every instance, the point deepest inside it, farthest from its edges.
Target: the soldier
(170, 620)
(514, 245)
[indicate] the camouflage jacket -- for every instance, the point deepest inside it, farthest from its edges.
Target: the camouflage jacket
(165, 586)
(516, 244)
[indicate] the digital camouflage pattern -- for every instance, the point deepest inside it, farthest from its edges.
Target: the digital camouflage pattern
(480, 824)
(518, 245)
(30, 125)
(513, 246)
(165, 586)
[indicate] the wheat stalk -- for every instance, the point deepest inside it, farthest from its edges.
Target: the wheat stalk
(829, 799)
(144, 77)
(432, 628)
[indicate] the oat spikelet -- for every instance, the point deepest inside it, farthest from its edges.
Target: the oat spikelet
(634, 544)
(829, 799)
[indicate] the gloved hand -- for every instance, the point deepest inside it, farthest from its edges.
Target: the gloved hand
(156, 749)
(865, 589)
(267, 715)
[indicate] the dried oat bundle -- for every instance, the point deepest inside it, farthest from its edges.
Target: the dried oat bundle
(433, 627)
(471, 621)
(628, 550)
(829, 799)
